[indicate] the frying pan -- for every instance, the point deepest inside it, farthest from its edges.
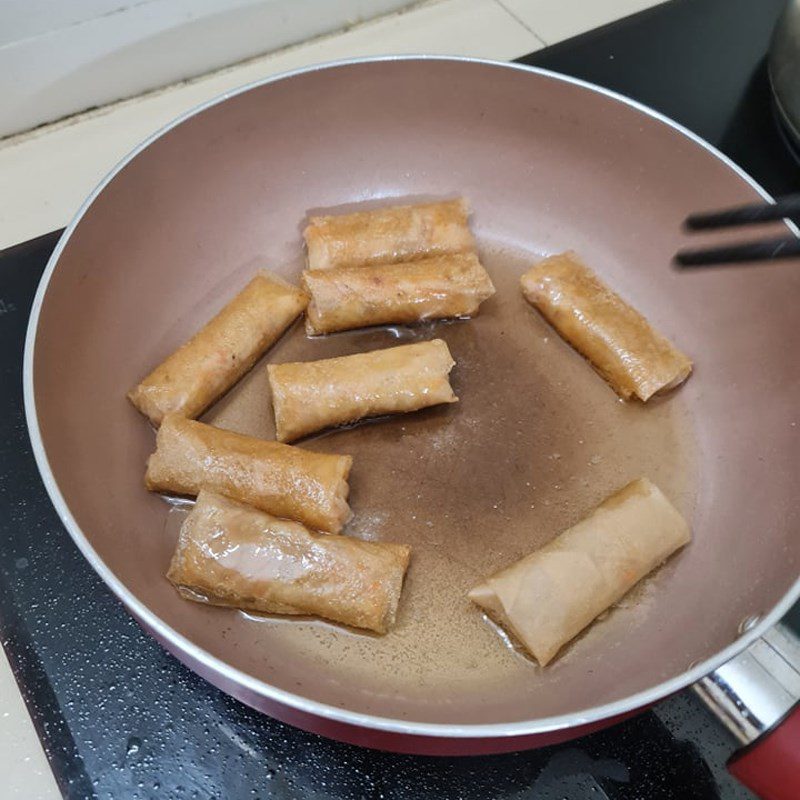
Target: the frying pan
(548, 163)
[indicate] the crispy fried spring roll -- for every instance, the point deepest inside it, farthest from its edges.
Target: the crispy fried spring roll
(229, 554)
(618, 341)
(218, 355)
(282, 480)
(551, 595)
(309, 396)
(388, 235)
(431, 288)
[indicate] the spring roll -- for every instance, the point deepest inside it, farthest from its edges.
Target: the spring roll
(388, 235)
(313, 395)
(551, 595)
(229, 554)
(431, 288)
(218, 355)
(617, 340)
(282, 480)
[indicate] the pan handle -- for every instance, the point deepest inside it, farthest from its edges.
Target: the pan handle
(756, 695)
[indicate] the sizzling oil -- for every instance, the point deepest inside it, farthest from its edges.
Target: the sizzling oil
(536, 441)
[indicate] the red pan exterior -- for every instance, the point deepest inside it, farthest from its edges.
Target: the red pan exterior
(770, 766)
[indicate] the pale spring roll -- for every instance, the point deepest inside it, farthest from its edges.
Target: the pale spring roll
(229, 554)
(309, 396)
(618, 341)
(282, 480)
(218, 355)
(551, 595)
(388, 235)
(431, 288)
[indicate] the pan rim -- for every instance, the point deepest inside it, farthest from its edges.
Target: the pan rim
(216, 666)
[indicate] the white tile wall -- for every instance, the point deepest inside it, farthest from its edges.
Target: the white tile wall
(58, 57)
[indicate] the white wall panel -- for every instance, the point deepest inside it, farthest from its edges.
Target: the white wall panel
(58, 57)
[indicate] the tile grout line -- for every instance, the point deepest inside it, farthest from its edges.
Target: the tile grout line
(521, 21)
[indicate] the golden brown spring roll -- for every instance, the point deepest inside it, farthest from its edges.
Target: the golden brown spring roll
(282, 480)
(388, 235)
(431, 288)
(313, 395)
(551, 595)
(229, 554)
(218, 355)
(618, 341)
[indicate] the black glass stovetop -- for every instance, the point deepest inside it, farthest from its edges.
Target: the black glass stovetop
(120, 718)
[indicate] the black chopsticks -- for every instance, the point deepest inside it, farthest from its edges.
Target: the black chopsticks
(786, 207)
(768, 250)
(765, 250)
